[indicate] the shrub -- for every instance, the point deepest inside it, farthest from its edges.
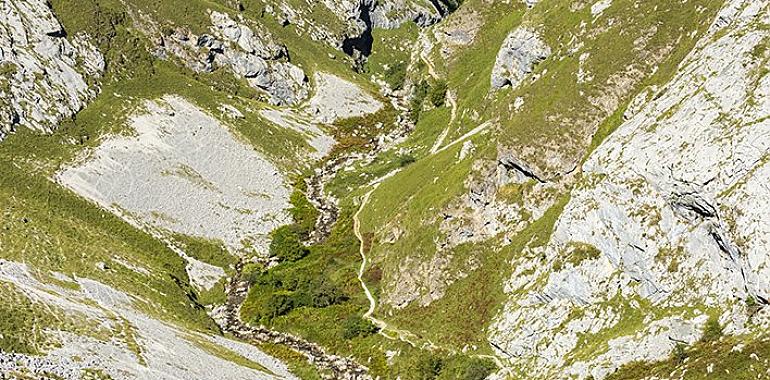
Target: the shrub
(251, 271)
(679, 355)
(428, 367)
(437, 93)
(7, 69)
(405, 160)
(279, 304)
(286, 245)
(581, 252)
(466, 368)
(395, 75)
(318, 293)
(302, 211)
(419, 93)
(712, 331)
(356, 326)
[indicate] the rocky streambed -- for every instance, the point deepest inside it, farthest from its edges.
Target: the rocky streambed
(228, 316)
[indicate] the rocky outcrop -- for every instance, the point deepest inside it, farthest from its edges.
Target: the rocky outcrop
(521, 51)
(348, 24)
(391, 14)
(336, 98)
(254, 56)
(674, 200)
(45, 76)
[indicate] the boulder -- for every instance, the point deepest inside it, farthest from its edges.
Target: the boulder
(521, 51)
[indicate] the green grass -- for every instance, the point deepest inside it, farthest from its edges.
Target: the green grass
(23, 323)
(206, 250)
(225, 353)
(719, 356)
(391, 48)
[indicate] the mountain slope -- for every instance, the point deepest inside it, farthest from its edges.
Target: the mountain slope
(393, 189)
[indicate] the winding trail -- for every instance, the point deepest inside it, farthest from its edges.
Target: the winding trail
(402, 335)
(385, 330)
(450, 99)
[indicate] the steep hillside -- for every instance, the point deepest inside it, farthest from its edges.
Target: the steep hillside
(392, 189)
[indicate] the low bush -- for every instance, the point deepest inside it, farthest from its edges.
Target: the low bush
(419, 92)
(466, 368)
(406, 160)
(355, 326)
(395, 75)
(286, 244)
(679, 355)
(712, 331)
(437, 94)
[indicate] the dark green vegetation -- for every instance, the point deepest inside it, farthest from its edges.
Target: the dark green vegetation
(395, 75)
(428, 366)
(356, 326)
(286, 245)
(437, 93)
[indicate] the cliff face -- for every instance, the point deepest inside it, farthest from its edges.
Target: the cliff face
(45, 75)
(671, 207)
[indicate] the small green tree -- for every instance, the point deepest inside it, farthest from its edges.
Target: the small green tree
(679, 355)
(437, 93)
(356, 326)
(302, 211)
(428, 367)
(712, 331)
(419, 92)
(395, 75)
(286, 245)
(466, 368)
(406, 160)
(318, 293)
(278, 304)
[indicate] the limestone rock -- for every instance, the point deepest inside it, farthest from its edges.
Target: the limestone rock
(44, 76)
(230, 194)
(254, 56)
(521, 51)
(672, 198)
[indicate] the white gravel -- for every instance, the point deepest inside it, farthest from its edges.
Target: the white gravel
(168, 353)
(336, 98)
(183, 171)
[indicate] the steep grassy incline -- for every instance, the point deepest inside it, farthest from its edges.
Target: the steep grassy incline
(444, 229)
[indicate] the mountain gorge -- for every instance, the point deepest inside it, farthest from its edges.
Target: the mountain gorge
(384, 189)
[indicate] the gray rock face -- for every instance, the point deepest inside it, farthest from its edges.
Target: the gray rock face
(676, 196)
(254, 56)
(521, 51)
(44, 77)
(259, 44)
(392, 14)
(347, 19)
